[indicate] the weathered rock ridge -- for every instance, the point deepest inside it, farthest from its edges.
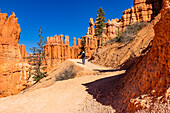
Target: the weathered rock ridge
(14, 73)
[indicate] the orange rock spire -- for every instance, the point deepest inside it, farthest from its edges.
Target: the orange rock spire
(14, 73)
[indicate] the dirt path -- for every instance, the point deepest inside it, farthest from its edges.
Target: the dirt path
(68, 96)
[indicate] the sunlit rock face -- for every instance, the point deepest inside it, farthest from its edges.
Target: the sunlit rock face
(14, 73)
(58, 51)
(150, 77)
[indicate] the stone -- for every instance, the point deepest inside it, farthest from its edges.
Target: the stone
(14, 71)
(151, 64)
(59, 52)
(9, 29)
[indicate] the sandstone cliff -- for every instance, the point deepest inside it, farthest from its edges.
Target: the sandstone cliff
(13, 71)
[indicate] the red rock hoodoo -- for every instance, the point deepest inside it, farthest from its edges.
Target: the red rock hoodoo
(13, 71)
(59, 52)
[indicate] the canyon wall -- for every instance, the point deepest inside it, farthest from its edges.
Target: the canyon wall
(14, 73)
(149, 78)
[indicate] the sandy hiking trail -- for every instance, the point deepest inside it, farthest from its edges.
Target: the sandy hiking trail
(67, 96)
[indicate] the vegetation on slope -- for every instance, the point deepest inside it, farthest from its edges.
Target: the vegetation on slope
(129, 34)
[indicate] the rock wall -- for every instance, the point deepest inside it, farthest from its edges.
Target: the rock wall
(14, 73)
(150, 76)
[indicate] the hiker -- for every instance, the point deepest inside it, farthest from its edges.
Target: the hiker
(83, 57)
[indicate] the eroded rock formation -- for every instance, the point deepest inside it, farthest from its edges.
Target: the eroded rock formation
(9, 29)
(149, 78)
(151, 75)
(59, 52)
(14, 73)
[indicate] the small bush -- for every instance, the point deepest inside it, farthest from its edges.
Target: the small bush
(129, 34)
(67, 73)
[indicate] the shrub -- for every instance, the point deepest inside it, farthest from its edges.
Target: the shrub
(67, 73)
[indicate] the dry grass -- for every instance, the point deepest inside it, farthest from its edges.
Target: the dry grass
(129, 34)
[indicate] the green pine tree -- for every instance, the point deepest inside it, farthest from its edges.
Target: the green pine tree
(99, 28)
(37, 59)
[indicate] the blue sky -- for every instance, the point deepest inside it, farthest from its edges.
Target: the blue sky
(67, 17)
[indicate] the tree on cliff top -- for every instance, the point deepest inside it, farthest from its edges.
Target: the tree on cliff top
(37, 59)
(99, 28)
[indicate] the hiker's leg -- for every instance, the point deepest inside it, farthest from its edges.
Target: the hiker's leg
(83, 60)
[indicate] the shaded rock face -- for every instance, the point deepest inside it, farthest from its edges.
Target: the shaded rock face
(14, 73)
(156, 6)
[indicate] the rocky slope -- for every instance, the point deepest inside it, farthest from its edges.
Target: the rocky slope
(116, 55)
(14, 73)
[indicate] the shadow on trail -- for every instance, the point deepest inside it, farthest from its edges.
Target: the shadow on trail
(106, 70)
(106, 90)
(79, 62)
